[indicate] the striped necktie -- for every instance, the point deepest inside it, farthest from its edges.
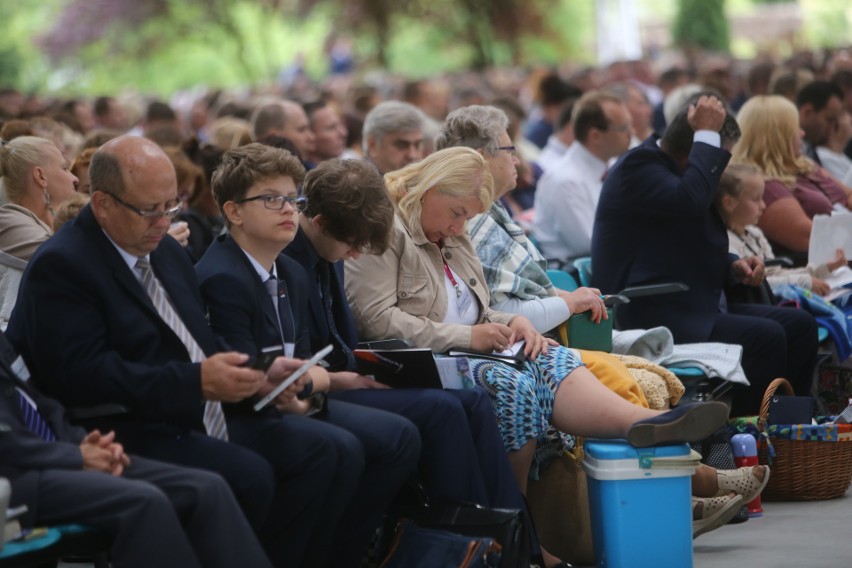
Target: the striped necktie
(214, 417)
(33, 419)
(271, 284)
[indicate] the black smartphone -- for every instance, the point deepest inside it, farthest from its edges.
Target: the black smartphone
(266, 357)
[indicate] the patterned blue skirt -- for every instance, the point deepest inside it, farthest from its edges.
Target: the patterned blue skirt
(523, 399)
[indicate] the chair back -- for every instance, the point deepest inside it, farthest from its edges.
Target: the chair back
(11, 271)
(562, 279)
(583, 265)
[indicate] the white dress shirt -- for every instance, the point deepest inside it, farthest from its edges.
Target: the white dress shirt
(551, 153)
(565, 202)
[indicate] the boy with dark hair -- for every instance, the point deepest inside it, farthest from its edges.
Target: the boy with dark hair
(349, 212)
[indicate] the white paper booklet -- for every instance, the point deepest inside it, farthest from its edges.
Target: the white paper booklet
(829, 233)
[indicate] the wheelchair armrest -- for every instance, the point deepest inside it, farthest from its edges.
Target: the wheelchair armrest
(97, 411)
(654, 289)
(389, 344)
(612, 300)
(784, 261)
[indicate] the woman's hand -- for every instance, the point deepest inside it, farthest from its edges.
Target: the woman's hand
(535, 342)
(488, 337)
(179, 231)
(585, 300)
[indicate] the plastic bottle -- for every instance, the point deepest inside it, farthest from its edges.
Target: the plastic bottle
(744, 447)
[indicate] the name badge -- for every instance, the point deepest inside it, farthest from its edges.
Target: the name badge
(289, 350)
(464, 301)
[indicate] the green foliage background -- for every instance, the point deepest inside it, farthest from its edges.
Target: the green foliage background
(252, 40)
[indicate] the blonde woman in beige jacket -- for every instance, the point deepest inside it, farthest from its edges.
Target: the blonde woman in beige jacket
(429, 287)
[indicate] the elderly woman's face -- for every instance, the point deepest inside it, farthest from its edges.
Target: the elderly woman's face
(444, 216)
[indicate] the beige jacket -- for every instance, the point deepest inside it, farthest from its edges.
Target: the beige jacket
(21, 232)
(401, 293)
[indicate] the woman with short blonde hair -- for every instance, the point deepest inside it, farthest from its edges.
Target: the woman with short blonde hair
(429, 287)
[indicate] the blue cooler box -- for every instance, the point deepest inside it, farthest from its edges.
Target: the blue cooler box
(639, 499)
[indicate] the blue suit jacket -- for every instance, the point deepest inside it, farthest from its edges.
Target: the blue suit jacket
(304, 253)
(90, 335)
(239, 306)
(655, 223)
(24, 454)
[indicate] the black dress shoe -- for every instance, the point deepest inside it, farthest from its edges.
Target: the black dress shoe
(685, 423)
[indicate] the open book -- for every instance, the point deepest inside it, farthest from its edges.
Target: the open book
(513, 355)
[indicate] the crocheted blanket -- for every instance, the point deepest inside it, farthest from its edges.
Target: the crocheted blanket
(661, 387)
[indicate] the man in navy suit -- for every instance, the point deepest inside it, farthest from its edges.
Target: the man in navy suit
(656, 223)
(65, 475)
(109, 312)
(255, 186)
(347, 212)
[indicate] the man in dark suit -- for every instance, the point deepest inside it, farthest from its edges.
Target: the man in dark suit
(348, 211)
(255, 186)
(109, 312)
(64, 475)
(656, 223)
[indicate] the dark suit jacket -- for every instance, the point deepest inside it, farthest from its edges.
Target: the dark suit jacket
(304, 253)
(90, 334)
(23, 455)
(655, 223)
(239, 306)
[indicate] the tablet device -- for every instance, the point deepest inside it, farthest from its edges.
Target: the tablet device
(294, 377)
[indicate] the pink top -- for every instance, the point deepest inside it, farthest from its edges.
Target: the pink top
(816, 192)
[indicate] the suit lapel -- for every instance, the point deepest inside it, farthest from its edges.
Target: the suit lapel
(235, 255)
(304, 253)
(115, 263)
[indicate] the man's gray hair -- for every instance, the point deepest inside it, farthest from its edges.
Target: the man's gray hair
(473, 126)
(392, 116)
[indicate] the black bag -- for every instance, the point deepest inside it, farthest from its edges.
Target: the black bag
(506, 526)
(421, 547)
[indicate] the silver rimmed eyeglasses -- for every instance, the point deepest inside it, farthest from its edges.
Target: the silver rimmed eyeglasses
(276, 202)
(152, 216)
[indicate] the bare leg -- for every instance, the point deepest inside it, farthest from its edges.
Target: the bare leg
(520, 461)
(584, 407)
(704, 483)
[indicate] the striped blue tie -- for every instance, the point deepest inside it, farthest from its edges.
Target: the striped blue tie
(34, 420)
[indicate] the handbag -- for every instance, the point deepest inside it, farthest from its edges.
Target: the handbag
(422, 547)
(506, 527)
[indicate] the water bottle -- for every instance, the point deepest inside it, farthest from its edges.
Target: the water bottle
(744, 447)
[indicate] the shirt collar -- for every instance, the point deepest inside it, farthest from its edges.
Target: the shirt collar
(129, 259)
(262, 273)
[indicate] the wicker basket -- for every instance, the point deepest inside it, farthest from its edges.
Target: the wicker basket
(803, 470)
